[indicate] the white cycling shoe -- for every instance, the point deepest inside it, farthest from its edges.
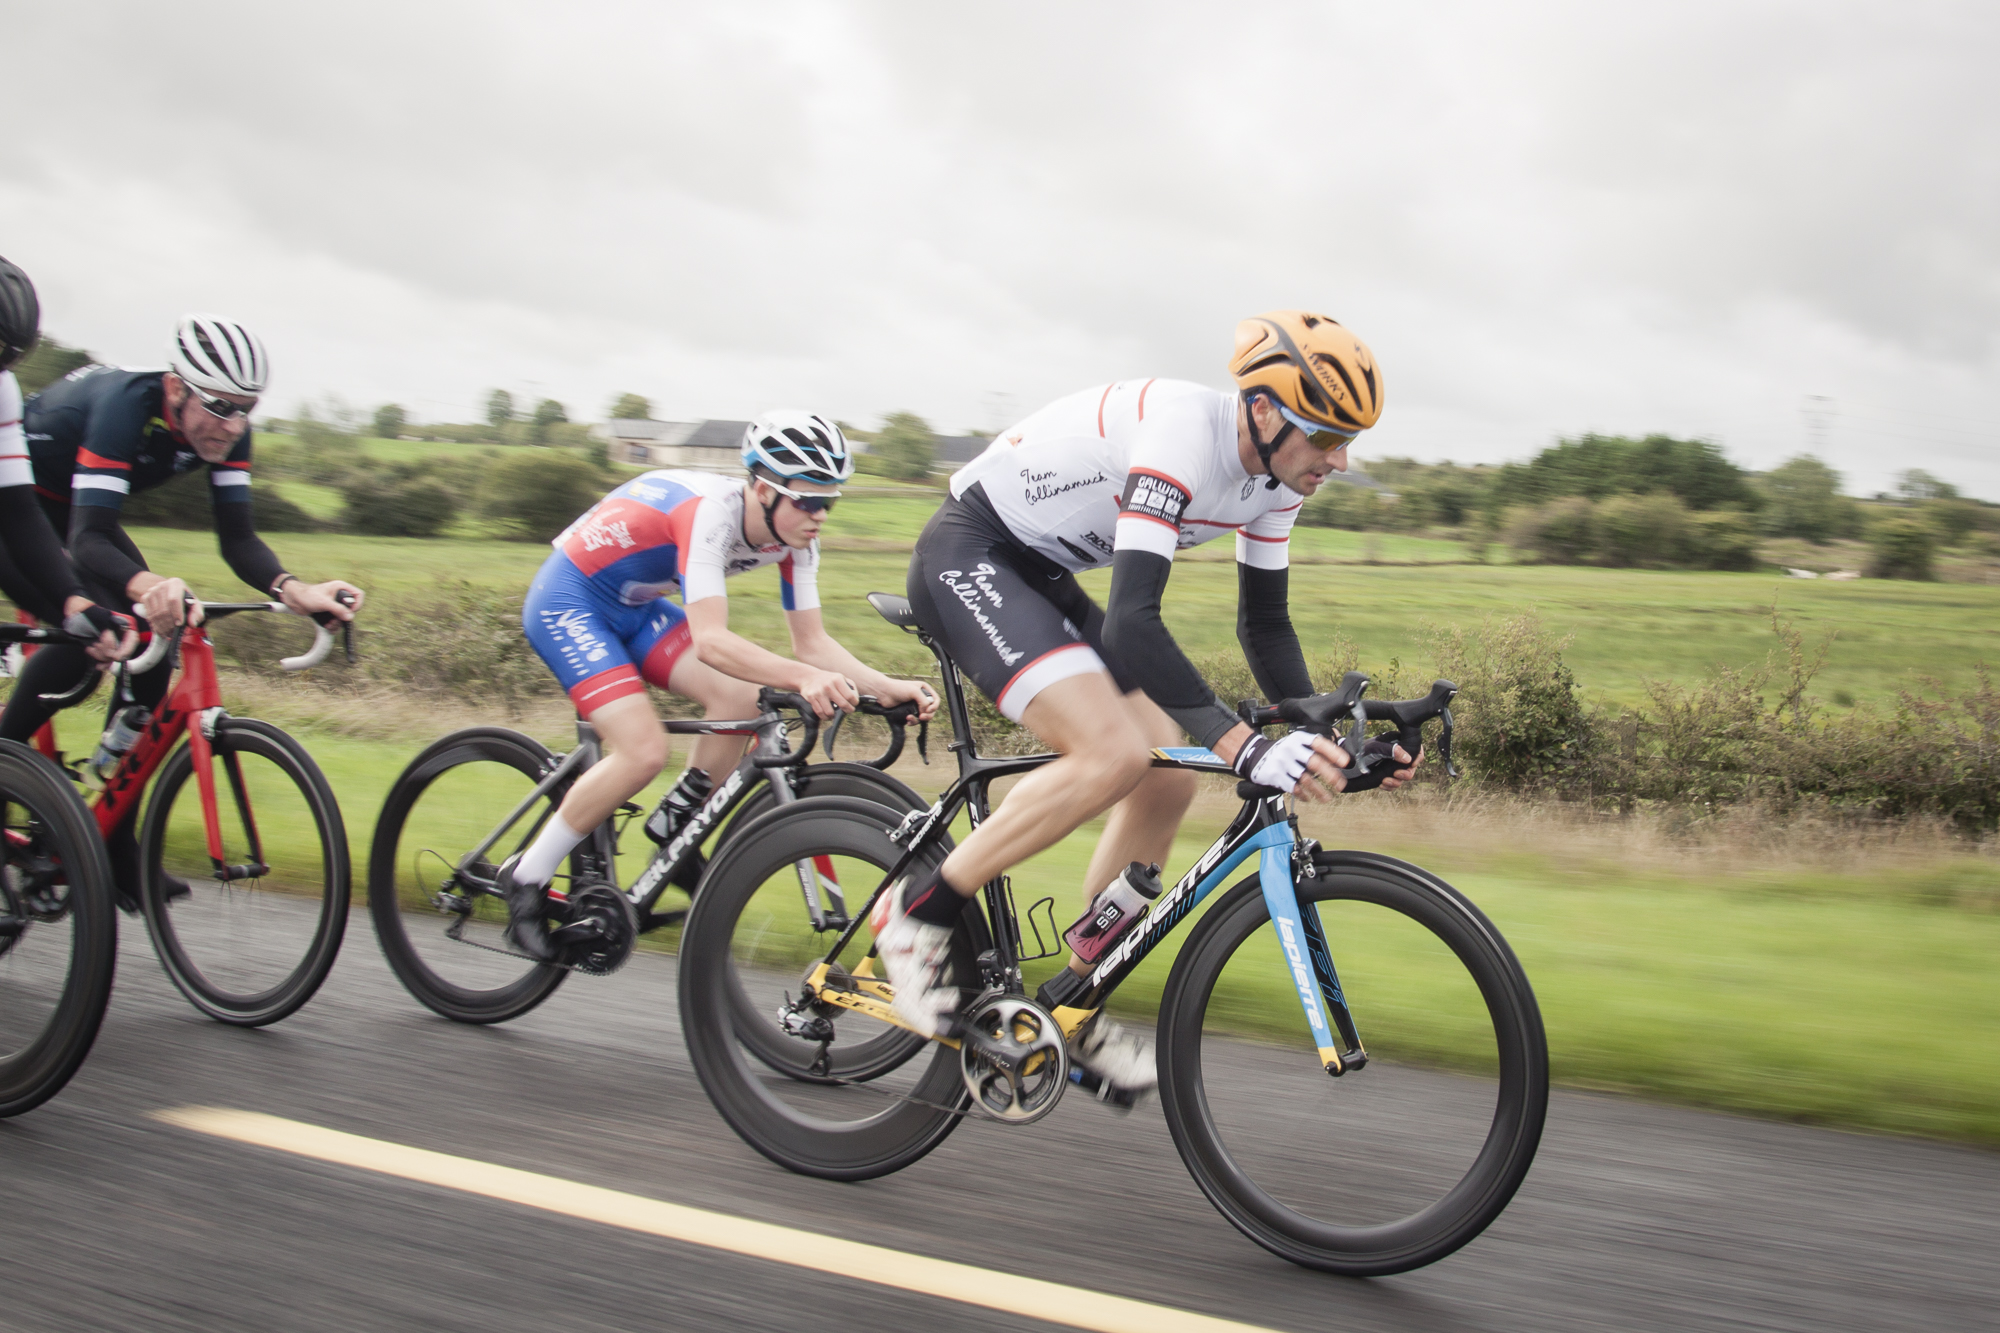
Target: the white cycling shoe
(914, 954)
(1121, 1059)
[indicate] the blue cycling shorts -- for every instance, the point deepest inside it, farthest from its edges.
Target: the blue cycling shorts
(600, 649)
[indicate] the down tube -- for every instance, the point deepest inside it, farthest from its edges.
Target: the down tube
(1281, 898)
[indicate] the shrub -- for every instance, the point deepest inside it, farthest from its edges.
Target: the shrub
(1649, 530)
(324, 454)
(535, 495)
(904, 449)
(1722, 539)
(1520, 721)
(399, 500)
(1561, 532)
(1900, 546)
(1340, 504)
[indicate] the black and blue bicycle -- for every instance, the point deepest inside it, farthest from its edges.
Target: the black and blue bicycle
(1352, 1062)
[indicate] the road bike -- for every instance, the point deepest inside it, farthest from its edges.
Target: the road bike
(1410, 1149)
(58, 931)
(437, 848)
(244, 876)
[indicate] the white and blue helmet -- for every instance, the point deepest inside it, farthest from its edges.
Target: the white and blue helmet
(798, 446)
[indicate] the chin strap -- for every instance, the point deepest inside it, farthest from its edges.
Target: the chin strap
(770, 513)
(1264, 451)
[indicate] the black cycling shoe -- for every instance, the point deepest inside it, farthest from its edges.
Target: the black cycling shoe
(174, 887)
(526, 904)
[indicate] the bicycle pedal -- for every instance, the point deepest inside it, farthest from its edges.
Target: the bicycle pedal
(1121, 1100)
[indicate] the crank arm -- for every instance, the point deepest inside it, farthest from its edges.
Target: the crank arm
(863, 995)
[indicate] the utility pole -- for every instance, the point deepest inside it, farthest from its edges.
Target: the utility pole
(1818, 411)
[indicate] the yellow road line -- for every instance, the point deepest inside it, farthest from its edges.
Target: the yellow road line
(1048, 1301)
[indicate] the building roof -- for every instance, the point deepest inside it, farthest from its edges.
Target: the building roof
(952, 452)
(716, 435)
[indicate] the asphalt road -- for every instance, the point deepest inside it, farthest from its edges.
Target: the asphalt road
(1634, 1217)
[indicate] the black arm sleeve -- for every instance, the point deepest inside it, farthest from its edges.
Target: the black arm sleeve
(242, 549)
(102, 551)
(1264, 628)
(1137, 638)
(35, 558)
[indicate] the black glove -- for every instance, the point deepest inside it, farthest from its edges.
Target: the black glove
(94, 620)
(1380, 756)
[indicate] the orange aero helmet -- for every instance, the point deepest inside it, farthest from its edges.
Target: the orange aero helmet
(1312, 365)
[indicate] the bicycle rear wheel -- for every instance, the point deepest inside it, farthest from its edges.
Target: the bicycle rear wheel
(886, 1096)
(58, 937)
(442, 930)
(1391, 1166)
(250, 950)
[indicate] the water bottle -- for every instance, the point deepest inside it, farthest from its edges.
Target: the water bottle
(679, 805)
(126, 727)
(1113, 912)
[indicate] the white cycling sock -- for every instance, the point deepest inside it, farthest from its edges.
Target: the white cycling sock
(538, 864)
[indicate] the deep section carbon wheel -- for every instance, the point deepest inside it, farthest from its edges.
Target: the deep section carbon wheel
(1390, 1166)
(58, 930)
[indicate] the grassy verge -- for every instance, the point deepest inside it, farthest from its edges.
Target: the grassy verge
(1823, 978)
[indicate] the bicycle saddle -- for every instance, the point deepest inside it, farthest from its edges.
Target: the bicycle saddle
(894, 609)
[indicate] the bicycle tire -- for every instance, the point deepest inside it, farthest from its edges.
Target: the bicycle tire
(829, 779)
(442, 994)
(1442, 917)
(210, 941)
(54, 816)
(908, 1124)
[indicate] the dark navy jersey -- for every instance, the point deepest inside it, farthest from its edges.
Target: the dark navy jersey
(100, 433)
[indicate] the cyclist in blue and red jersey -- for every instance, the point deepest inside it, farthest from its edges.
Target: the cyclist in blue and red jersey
(599, 615)
(103, 433)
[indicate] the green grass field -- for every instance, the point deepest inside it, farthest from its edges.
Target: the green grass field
(1627, 626)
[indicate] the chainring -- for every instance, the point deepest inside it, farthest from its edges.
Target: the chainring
(613, 928)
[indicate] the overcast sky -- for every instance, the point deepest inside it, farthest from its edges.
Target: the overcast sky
(1545, 217)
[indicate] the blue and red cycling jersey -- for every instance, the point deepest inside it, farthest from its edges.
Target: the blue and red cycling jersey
(598, 613)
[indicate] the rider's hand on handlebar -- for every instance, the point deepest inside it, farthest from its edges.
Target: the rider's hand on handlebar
(910, 691)
(829, 692)
(161, 604)
(116, 635)
(322, 598)
(1407, 766)
(1323, 767)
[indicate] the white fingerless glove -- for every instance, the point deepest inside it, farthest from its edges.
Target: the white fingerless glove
(1280, 763)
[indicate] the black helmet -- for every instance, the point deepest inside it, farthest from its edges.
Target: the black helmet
(20, 315)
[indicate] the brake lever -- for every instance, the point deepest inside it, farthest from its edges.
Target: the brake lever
(346, 598)
(1444, 745)
(924, 741)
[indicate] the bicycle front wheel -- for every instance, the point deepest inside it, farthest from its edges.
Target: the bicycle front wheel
(442, 928)
(58, 937)
(1393, 1165)
(252, 948)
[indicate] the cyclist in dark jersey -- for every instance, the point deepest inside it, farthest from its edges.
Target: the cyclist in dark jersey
(35, 574)
(103, 433)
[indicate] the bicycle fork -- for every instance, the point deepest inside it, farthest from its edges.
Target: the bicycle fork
(1308, 959)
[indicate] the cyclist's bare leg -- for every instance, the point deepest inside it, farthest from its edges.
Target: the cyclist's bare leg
(1142, 826)
(719, 696)
(1103, 739)
(635, 752)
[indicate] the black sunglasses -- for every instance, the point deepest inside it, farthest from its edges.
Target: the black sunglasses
(806, 500)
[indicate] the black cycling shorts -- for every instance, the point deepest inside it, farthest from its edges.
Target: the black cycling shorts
(1009, 618)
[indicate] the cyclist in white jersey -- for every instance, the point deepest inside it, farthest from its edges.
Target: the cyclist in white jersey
(35, 572)
(1125, 475)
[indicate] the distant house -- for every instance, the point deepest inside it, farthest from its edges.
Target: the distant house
(705, 446)
(949, 453)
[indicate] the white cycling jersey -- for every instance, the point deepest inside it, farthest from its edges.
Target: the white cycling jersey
(15, 470)
(1148, 465)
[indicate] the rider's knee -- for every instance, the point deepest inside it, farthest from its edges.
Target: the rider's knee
(1170, 786)
(646, 752)
(1121, 767)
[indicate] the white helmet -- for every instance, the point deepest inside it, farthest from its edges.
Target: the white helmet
(801, 446)
(218, 355)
